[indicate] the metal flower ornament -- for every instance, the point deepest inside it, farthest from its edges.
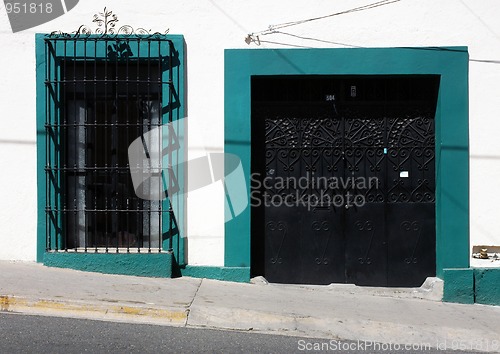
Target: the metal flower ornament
(106, 26)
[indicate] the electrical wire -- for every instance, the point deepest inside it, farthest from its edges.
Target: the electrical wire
(485, 61)
(316, 39)
(285, 44)
(480, 20)
(273, 28)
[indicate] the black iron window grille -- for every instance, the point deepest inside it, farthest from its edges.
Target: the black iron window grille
(103, 91)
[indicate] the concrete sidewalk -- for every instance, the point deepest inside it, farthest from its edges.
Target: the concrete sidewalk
(404, 316)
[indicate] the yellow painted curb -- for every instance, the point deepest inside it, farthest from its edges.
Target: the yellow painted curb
(93, 311)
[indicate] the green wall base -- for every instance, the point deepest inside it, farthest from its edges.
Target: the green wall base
(237, 274)
(139, 264)
(472, 285)
(458, 285)
(158, 265)
(487, 286)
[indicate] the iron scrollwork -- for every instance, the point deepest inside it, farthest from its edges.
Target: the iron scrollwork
(366, 226)
(106, 26)
(355, 143)
(321, 229)
(412, 227)
(411, 146)
(280, 230)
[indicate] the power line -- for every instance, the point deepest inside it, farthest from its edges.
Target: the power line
(316, 39)
(285, 44)
(486, 61)
(229, 17)
(480, 20)
(273, 28)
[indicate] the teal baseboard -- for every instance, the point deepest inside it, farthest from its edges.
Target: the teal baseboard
(458, 285)
(236, 274)
(159, 265)
(472, 285)
(486, 286)
(138, 264)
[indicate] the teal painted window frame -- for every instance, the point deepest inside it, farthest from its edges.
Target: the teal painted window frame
(41, 101)
(452, 127)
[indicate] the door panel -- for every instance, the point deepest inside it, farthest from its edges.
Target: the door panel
(411, 201)
(411, 243)
(365, 211)
(366, 246)
(323, 247)
(301, 154)
(283, 245)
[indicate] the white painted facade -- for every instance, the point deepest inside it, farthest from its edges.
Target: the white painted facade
(209, 27)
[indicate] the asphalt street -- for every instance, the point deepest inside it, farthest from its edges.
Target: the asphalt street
(42, 334)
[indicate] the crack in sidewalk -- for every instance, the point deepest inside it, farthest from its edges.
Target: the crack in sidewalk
(188, 309)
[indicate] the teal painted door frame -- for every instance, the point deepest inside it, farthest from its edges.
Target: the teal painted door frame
(80, 50)
(452, 127)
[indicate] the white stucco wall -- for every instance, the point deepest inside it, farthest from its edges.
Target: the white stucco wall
(210, 26)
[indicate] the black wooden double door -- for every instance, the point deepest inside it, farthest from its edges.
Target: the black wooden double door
(347, 196)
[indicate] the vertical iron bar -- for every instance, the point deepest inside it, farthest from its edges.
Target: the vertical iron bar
(55, 174)
(114, 142)
(94, 107)
(125, 172)
(139, 132)
(54, 162)
(160, 140)
(170, 120)
(150, 120)
(95, 175)
(54, 156)
(47, 147)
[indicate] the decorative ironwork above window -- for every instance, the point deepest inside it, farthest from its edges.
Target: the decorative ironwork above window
(106, 26)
